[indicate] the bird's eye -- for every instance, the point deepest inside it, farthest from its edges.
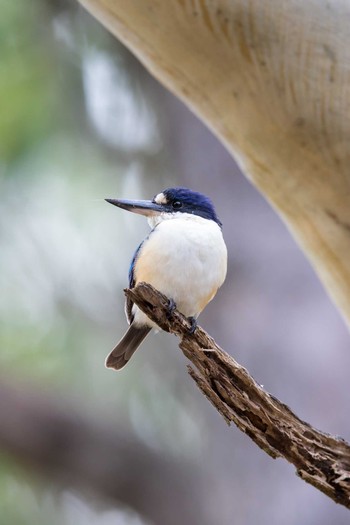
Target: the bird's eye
(177, 205)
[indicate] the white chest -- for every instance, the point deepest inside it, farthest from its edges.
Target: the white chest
(186, 259)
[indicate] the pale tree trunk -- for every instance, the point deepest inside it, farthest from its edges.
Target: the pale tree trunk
(272, 80)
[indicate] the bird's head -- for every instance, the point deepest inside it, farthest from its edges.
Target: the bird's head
(171, 203)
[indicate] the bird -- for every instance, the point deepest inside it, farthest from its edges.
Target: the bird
(184, 256)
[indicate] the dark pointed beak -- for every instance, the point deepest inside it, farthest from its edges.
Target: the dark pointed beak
(147, 208)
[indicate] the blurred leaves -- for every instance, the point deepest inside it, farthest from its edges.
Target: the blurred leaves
(27, 78)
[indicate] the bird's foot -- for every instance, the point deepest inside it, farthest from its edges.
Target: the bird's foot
(193, 323)
(171, 308)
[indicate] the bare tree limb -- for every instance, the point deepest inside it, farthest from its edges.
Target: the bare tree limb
(84, 453)
(320, 459)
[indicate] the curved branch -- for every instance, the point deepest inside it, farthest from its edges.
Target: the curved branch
(320, 459)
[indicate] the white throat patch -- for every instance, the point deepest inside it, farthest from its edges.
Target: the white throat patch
(154, 220)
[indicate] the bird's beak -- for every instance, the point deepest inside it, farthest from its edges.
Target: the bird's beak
(147, 208)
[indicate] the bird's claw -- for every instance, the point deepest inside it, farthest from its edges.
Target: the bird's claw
(193, 323)
(171, 308)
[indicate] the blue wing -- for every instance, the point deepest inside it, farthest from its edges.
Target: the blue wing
(129, 304)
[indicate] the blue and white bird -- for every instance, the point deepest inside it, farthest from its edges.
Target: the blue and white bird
(184, 257)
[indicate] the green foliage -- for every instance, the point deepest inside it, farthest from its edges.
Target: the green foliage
(27, 78)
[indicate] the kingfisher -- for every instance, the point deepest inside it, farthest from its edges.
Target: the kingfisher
(184, 257)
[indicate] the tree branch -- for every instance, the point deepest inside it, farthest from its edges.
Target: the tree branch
(320, 459)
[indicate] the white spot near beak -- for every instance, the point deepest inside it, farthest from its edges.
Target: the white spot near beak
(160, 198)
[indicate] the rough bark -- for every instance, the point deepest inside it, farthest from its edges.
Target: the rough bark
(272, 80)
(87, 454)
(320, 459)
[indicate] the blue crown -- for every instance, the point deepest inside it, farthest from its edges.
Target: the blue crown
(188, 201)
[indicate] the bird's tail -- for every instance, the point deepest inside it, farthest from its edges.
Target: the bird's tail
(130, 342)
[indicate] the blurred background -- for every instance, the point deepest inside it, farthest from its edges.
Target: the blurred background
(81, 120)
